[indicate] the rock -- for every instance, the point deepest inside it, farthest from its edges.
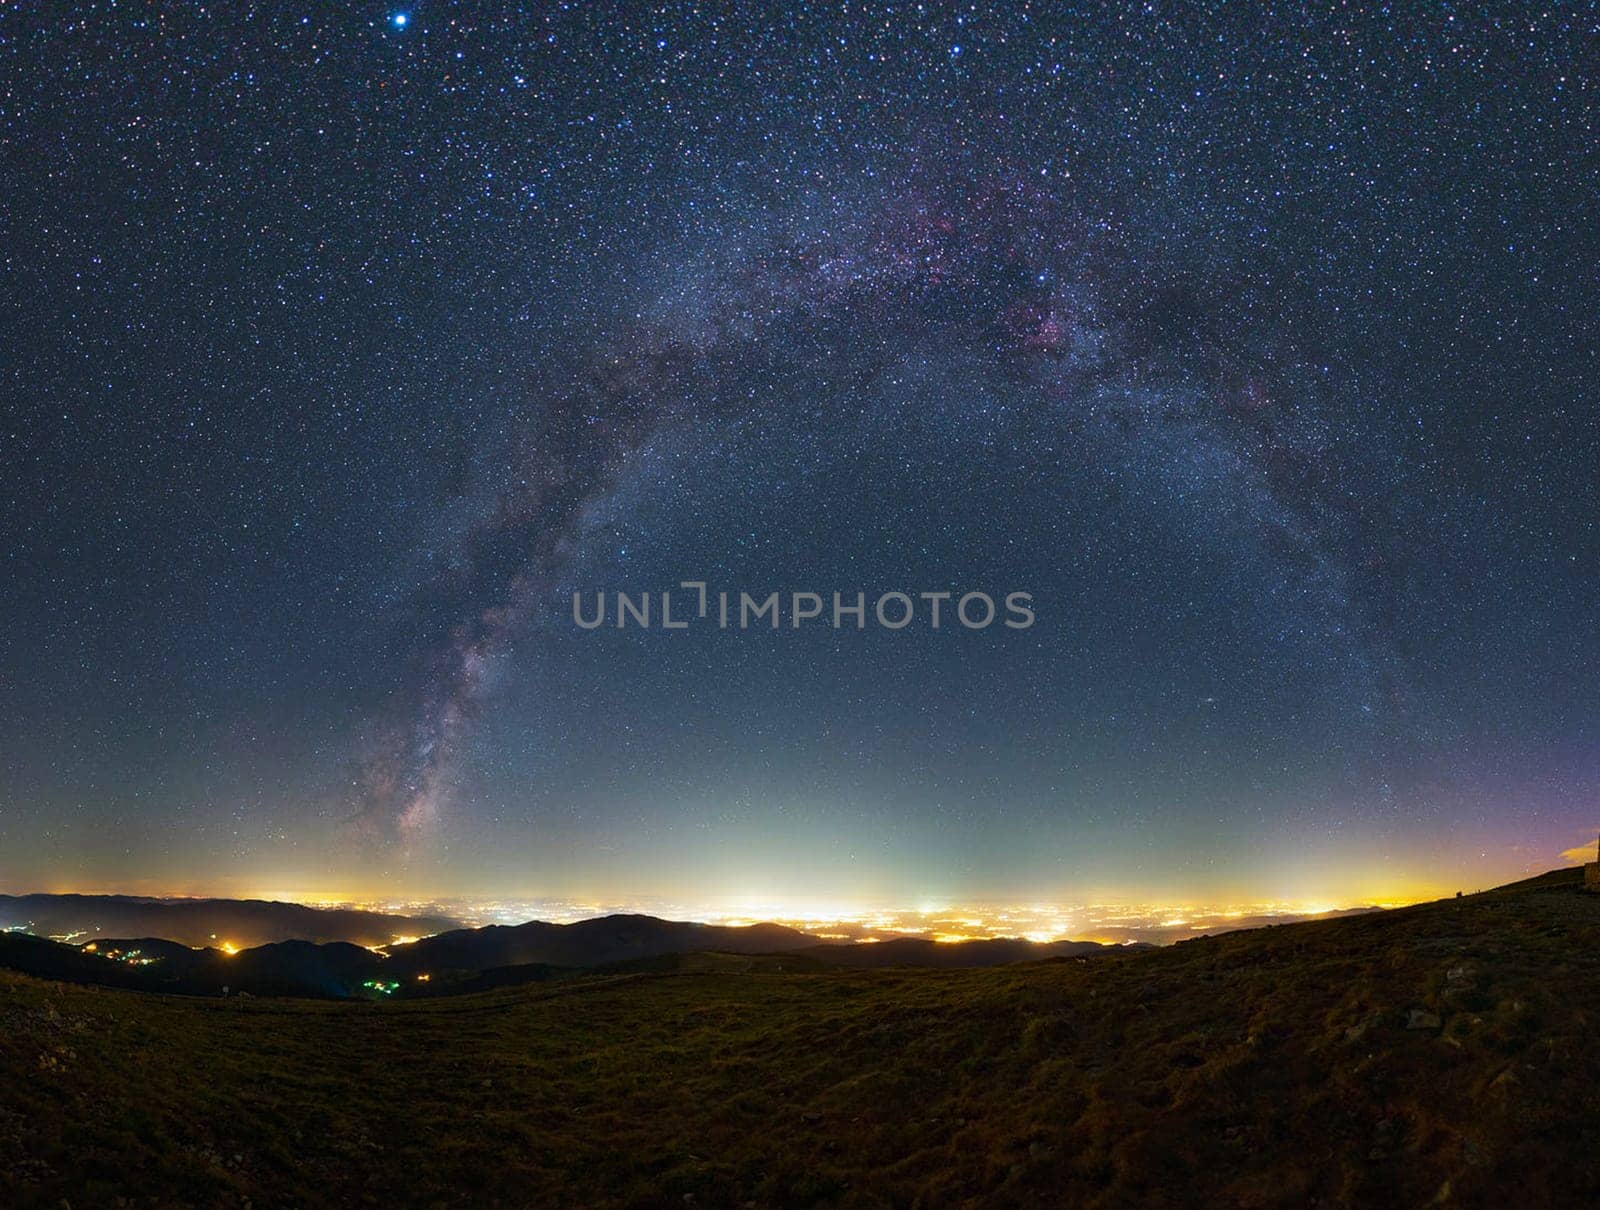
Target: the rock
(1374, 1019)
(1419, 1018)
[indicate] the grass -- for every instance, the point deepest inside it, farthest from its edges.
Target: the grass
(1269, 1068)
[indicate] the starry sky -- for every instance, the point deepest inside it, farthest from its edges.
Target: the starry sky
(341, 344)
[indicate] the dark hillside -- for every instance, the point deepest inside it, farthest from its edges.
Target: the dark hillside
(1438, 1055)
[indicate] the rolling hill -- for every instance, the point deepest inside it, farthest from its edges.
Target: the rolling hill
(200, 922)
(1440, 1055)
(584, 943)
(470, 960)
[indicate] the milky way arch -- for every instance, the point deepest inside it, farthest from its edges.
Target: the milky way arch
(1090, 340)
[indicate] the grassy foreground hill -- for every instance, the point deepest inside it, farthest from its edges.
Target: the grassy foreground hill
(1439, 1055)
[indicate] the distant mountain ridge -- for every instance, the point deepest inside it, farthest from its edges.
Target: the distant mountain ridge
(460, 960)
(243, 923)
(604, 939)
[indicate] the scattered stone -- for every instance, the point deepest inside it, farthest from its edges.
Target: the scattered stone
(1366, 1025)
(1419, 1018)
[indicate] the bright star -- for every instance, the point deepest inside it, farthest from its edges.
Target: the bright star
(400, 20)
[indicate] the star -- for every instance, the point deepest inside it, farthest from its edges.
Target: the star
(1158, 320)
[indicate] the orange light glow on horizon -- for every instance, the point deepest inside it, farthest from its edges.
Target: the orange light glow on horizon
(934, 913)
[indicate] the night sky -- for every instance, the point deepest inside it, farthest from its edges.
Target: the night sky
(340, 345)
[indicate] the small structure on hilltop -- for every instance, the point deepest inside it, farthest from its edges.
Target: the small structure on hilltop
(1591, 872)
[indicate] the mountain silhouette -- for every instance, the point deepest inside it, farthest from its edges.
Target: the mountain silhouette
(201, 922)
(463, 960)
(585, 943)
